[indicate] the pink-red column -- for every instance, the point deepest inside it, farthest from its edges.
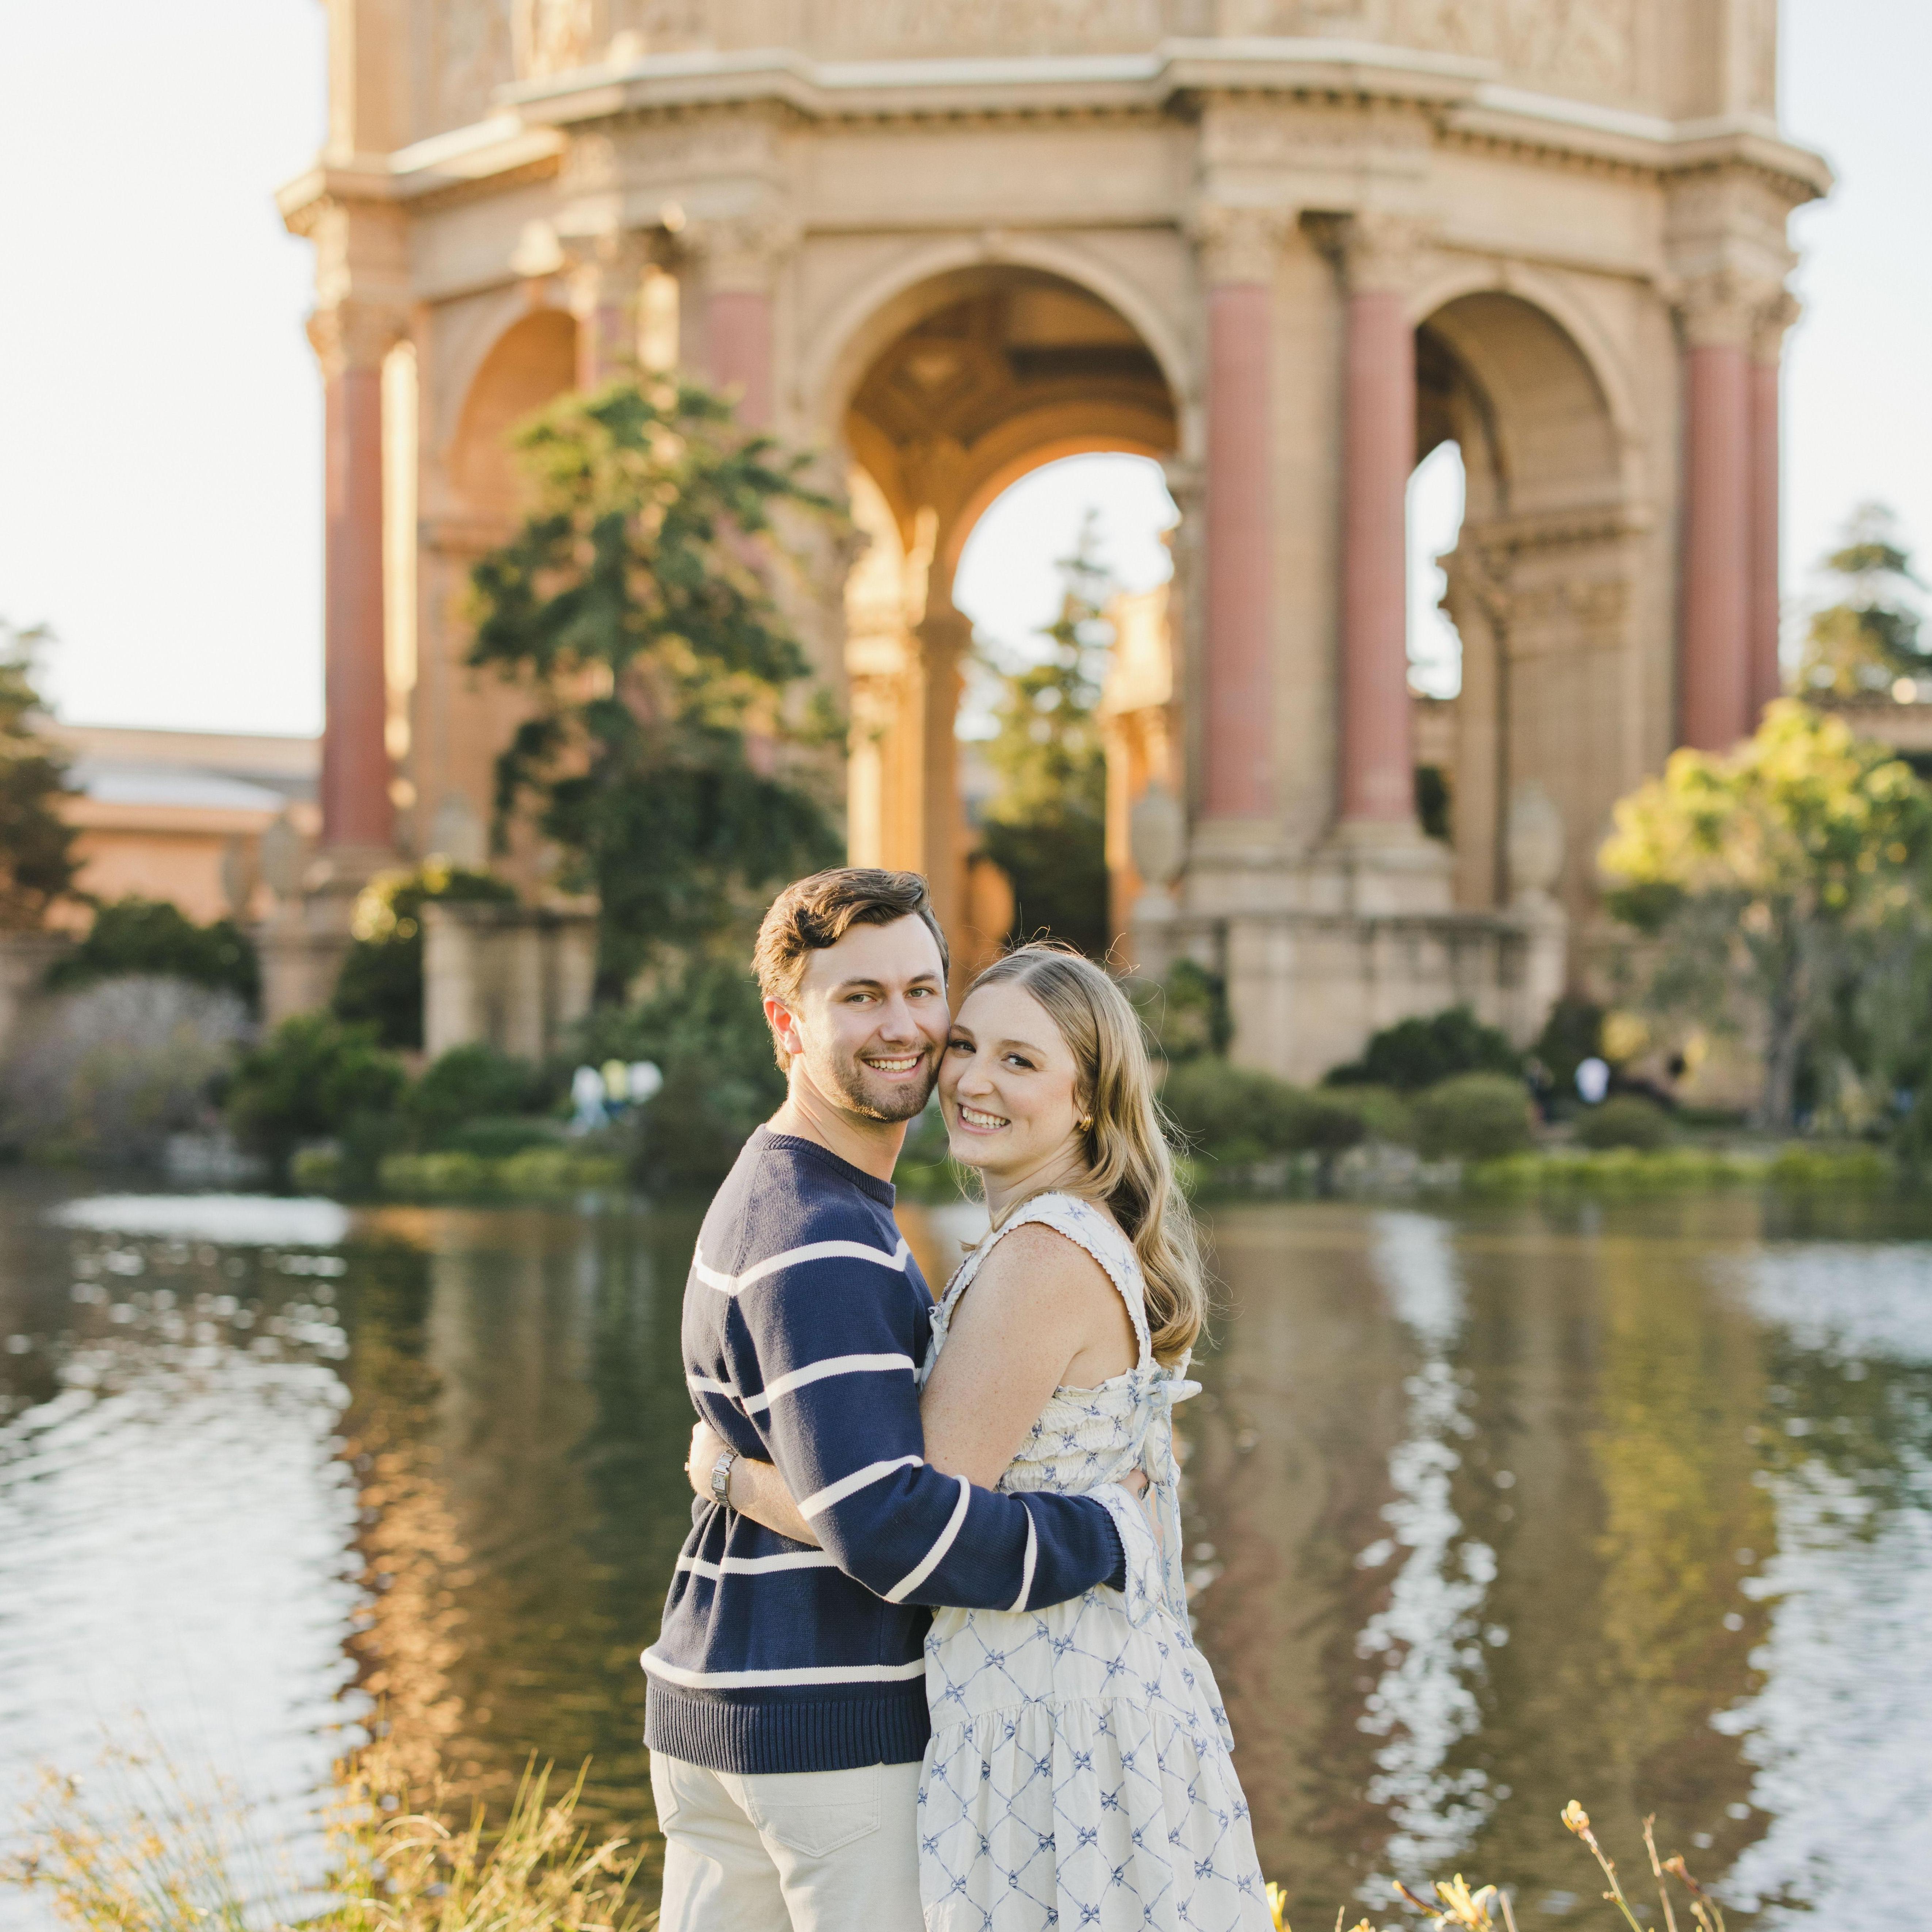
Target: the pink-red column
(356, 808)
(1378, 783)
(741, 260)
(1237, 782)
(1714, 670)
(1240, 256)
(1377, 778)
(1765, 677)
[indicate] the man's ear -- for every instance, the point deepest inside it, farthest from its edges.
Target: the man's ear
(784, 1024)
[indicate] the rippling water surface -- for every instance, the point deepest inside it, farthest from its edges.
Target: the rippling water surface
(1486, 1510)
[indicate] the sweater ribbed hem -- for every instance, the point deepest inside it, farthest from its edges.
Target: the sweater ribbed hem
(830, 1734)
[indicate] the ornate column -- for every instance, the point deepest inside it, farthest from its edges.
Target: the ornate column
(742, 258)
(1238, 250)
(1714, 674)
(1378, 777)
(1765, 677)
(605, 279)
(945, 637)
(351, 339)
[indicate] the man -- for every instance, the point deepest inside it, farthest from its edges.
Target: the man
(786, 1707)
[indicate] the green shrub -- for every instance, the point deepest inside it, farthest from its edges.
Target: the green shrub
(1231, 1114)
(1572, 1033)
(313, 1078)
(1386, 1114)
(1625, 1121)
(1185, 1014)
(1236, 1115)
(153, 939)
(466, 1084)
(382, 978)
(1417, 1053)
(497, 1137)
(1473, 1116)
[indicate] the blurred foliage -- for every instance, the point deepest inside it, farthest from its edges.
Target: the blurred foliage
(468, 1085)
(636, 606)
(1473, 1116)
(1045, 824)
(1234, 1115)
(1572, 1033)
(1417, 1053)
(37, 863)
(1186, 1013)
(155, 937)
(381, 982)
(1870, 637)
(317, 1077)
(1624, 1120)
(1783, 884)
(110, 1070)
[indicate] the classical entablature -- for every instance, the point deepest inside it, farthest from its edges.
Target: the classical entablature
(1285, 247)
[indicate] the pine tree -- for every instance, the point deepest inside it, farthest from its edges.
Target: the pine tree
(1870, 637)
(37, 861)
(636, 606)
(1045, 825)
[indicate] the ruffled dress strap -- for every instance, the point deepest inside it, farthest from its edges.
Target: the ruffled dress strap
(1154, 1578)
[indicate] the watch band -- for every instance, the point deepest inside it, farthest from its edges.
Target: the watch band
(721, 1478)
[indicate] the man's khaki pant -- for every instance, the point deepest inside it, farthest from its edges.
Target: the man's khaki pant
(819, 1851)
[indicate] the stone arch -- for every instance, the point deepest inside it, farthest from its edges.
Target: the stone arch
(898, 298)
(462, 717)
(948, 391)
(1543, 582)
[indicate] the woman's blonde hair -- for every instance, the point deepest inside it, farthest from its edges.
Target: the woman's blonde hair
(1130, 1167)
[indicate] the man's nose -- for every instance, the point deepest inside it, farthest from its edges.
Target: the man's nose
(898, 1021)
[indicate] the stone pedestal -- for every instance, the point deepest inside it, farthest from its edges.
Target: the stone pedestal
(516, 976)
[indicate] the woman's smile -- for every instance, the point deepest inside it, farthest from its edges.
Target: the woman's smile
(976, 1121)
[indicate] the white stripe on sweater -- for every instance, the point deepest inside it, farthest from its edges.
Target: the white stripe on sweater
(813, 1371)
(813, 1251)
(746, 1680)
(822, 1500)
(912, 1579)
(759, 1566)
(1026, 1572)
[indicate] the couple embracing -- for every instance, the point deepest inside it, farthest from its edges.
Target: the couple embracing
(925, 1659)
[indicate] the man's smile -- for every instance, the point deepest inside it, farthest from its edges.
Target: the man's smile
(899, 1063)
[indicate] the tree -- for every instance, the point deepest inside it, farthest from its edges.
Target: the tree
(381, 981)
(138, 936)
(1779, 878)
(1418, 1052)
(1045, 825)
(313, 1078)
(637, 605)
(1870, 637)
(37, 861)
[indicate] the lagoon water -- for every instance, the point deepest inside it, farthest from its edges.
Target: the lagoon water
(1487, 1508)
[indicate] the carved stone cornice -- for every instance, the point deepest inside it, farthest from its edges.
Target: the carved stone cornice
(741, 253)
(350, 335)
(1382, 251)
(1773, 321)
(1237, 244)
(1730, 308)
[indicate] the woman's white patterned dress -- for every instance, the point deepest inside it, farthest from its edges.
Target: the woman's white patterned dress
(1078, 1773)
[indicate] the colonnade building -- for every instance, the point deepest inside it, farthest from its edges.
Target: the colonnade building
(1286, 247)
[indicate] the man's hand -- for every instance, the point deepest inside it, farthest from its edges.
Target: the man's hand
(706, 1446)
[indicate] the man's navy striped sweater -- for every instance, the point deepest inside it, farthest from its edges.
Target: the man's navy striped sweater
(805, 1319)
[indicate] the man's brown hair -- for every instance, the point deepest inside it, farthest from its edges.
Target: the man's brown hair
(812, 913)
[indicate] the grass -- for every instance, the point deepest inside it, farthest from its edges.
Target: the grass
(153, 1856)
(534, 1174)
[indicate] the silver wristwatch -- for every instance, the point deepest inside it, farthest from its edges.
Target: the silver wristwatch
(721, 1478)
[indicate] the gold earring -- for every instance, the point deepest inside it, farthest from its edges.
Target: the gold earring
(1087, 1125)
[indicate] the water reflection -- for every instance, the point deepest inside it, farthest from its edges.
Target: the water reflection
(1486, 1511)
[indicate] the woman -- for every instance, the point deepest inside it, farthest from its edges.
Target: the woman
(1079, 1771)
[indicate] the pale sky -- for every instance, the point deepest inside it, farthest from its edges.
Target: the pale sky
(161, 414)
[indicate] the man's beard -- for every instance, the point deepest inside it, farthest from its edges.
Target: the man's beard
(862, 1092)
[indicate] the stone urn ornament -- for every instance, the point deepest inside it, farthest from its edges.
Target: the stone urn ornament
(1534, 844)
